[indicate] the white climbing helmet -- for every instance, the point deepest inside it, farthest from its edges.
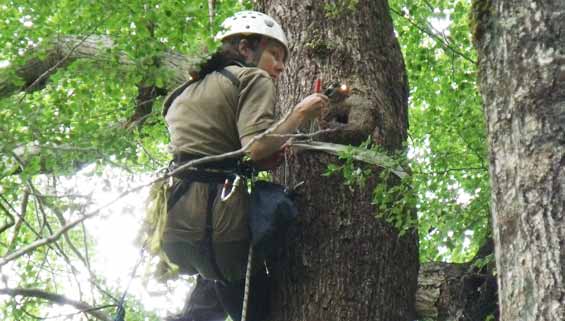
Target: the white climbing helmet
(253, 22)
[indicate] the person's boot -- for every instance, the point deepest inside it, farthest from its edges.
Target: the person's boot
(202, 304)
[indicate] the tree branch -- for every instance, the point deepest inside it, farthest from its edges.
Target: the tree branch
(57, 248)
(97, 49)
(40, 198)
(442, 40)
(11, 219)
(144, 105)
(57, 298)
(55, 236)
(19, 222)
(306, 135)
(211, 14)
(49, 71)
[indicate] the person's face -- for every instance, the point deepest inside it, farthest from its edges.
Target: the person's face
(269, 56)
(272, 57)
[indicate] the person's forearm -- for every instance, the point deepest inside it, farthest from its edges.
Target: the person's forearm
(309, 108)
(268, 145)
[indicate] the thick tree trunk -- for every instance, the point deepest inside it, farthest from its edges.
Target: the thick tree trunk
(342, 262)
(522, 80)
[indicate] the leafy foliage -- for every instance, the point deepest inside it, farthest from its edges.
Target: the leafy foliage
(393, 196)
(448, 148)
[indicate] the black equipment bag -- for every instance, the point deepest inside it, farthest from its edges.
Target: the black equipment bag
(271, 211)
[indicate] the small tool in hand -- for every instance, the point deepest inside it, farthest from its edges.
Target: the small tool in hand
(318, 86)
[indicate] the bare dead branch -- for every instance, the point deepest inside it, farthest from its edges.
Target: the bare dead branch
(59, 299)
(20, 216)
(11, 220)
(55, 236)
(19, 222)
(41, 199)
(85, 243)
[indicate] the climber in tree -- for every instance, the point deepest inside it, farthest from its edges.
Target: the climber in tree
(231, 101)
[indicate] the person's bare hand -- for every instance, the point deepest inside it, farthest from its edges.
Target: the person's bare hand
(313, 106)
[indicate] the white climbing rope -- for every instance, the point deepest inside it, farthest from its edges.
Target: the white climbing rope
(247, 283)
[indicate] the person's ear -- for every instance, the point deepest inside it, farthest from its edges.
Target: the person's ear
(244, 49)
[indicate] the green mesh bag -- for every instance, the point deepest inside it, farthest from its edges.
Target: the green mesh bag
(151, 234)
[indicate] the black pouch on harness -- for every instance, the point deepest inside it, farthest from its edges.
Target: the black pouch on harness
(271, 212)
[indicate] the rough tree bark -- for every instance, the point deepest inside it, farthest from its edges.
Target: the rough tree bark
(342, 262)
(522, 81)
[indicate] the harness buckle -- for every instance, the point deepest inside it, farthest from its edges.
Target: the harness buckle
(227, 184)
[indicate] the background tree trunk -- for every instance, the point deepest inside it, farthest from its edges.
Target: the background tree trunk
(522, 80)
(342, 262)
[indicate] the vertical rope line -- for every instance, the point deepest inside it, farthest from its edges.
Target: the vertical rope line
(247, 283)
(286, 169)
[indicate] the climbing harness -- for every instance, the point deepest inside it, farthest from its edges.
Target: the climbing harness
(213, 174)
